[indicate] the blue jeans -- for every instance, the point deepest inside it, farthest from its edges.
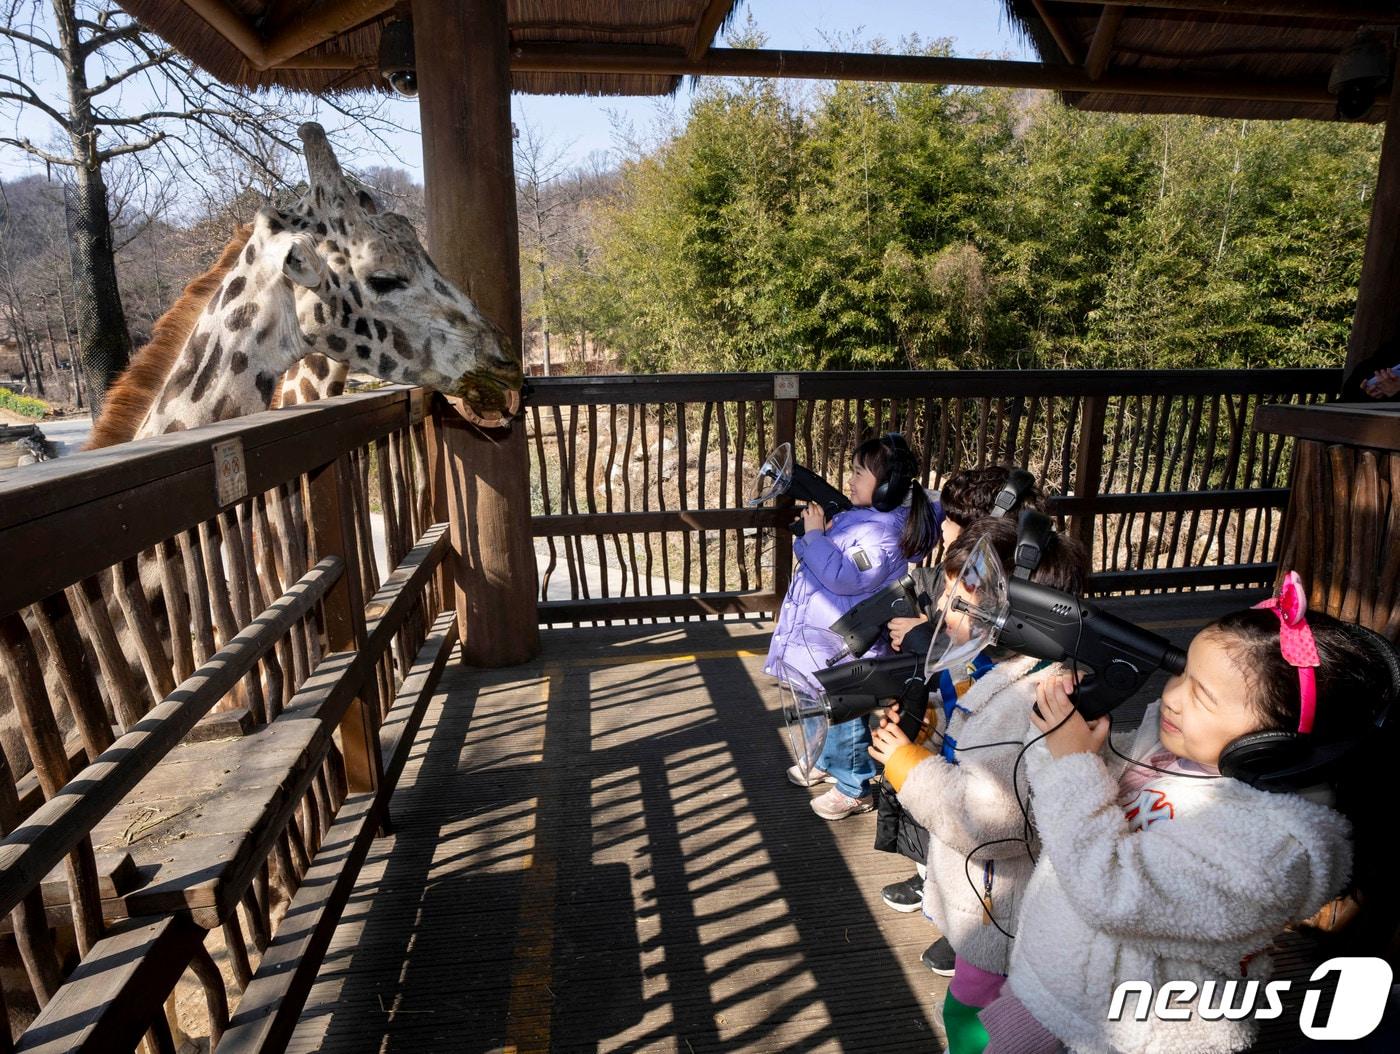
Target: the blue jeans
(845, 756)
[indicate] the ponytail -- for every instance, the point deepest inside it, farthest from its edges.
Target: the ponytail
(921, 528)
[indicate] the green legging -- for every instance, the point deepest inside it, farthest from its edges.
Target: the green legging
(964, 1028)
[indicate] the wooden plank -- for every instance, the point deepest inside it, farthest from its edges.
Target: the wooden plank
(268, 1010)
(406, 714)
(399, 594)
(1182, 577)
(32, 850)
(549, 56)
(1088, 471)
(554, 612)
(110, 999)
(655, 520)
(841, 384)
(146, 513)
(93, 474)
(1357, 425)
(1171, 501)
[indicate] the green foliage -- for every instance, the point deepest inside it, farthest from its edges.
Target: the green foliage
(22, 404)
(879, 225)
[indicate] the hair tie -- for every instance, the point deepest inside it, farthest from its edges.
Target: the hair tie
(1296, 642)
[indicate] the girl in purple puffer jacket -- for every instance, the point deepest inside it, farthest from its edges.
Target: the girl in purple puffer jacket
(839, 564)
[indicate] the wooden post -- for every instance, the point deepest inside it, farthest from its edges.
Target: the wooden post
(1088, 467)
(463, 57)
(1377, 320)
(333, 533)
(784, 431)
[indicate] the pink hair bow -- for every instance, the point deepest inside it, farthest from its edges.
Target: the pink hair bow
(1296, 641)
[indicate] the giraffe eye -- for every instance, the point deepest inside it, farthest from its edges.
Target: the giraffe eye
(386, 283)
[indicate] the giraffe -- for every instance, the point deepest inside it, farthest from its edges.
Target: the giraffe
(331, 276)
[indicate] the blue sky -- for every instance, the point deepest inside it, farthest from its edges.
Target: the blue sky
(578, 126)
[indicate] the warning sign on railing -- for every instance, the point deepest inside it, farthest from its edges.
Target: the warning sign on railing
(230, 474)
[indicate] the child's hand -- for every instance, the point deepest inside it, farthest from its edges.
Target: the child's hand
(1386, 382)
(888, 738)
(814, 519)
(1073, 735)
(900, 626)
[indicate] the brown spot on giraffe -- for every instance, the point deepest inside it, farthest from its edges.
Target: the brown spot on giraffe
(226, 408)
(234, 289)
(308, 390)
(238, 362)
(206, 374)
(241, 317)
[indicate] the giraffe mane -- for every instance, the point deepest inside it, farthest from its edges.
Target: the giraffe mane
(129, 399)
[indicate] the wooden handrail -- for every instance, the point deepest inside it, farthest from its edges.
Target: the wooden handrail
(145, 492)
(857, 384)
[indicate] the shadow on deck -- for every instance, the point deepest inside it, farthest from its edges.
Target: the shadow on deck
(599, 851)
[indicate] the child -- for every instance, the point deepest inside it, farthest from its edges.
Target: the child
(1172, 867)
(863, 550)
(978, 863)
(968, 495)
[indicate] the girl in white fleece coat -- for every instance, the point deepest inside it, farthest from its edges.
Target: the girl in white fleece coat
(1164, 870)
(978, 858)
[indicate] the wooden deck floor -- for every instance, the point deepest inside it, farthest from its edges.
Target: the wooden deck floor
(599, 851)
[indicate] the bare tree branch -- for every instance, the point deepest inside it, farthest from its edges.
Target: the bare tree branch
(42, 155)
(111, 82)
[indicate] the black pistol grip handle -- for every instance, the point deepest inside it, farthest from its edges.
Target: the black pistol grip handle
(912, 711)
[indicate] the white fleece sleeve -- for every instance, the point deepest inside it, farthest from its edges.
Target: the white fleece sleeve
(1222, 872)
(968, 805)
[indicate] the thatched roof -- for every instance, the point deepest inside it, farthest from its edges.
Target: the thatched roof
(218, 34)
(1229, 38)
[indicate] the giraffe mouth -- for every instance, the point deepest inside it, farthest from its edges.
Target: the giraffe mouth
(492, 396)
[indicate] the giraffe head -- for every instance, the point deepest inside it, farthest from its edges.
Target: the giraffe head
(382, 306)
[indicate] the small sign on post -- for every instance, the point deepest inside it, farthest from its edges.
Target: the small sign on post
(785, 386)
(230, 473)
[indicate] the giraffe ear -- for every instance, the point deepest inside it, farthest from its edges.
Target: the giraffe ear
(302, 264)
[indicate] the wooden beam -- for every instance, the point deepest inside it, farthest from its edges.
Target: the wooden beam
(307, 30)
(1334, 10)
(707, 26)
(463, 51)
(1064, 40)
(912, 69)
(1101, 47)
(1377, 319)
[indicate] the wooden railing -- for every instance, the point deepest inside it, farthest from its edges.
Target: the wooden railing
(640, 482)
(211, 689)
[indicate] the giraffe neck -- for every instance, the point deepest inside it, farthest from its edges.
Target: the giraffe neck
(244, 341)
(313, 377)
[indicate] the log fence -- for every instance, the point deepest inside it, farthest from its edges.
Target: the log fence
(640, 482)
(211, 679)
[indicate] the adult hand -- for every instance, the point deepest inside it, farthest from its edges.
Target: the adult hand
(1071, 733)
(900, 626)
(814, 519)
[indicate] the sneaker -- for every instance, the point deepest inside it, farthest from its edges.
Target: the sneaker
(905, 896)
(808, 777)
(939, 958)
(833, 805)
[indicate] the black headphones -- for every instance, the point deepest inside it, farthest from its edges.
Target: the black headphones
(899, 476)
(1035, 533)
(1279, 760)
(1018, 484)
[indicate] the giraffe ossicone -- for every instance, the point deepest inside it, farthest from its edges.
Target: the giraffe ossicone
(331, 276)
